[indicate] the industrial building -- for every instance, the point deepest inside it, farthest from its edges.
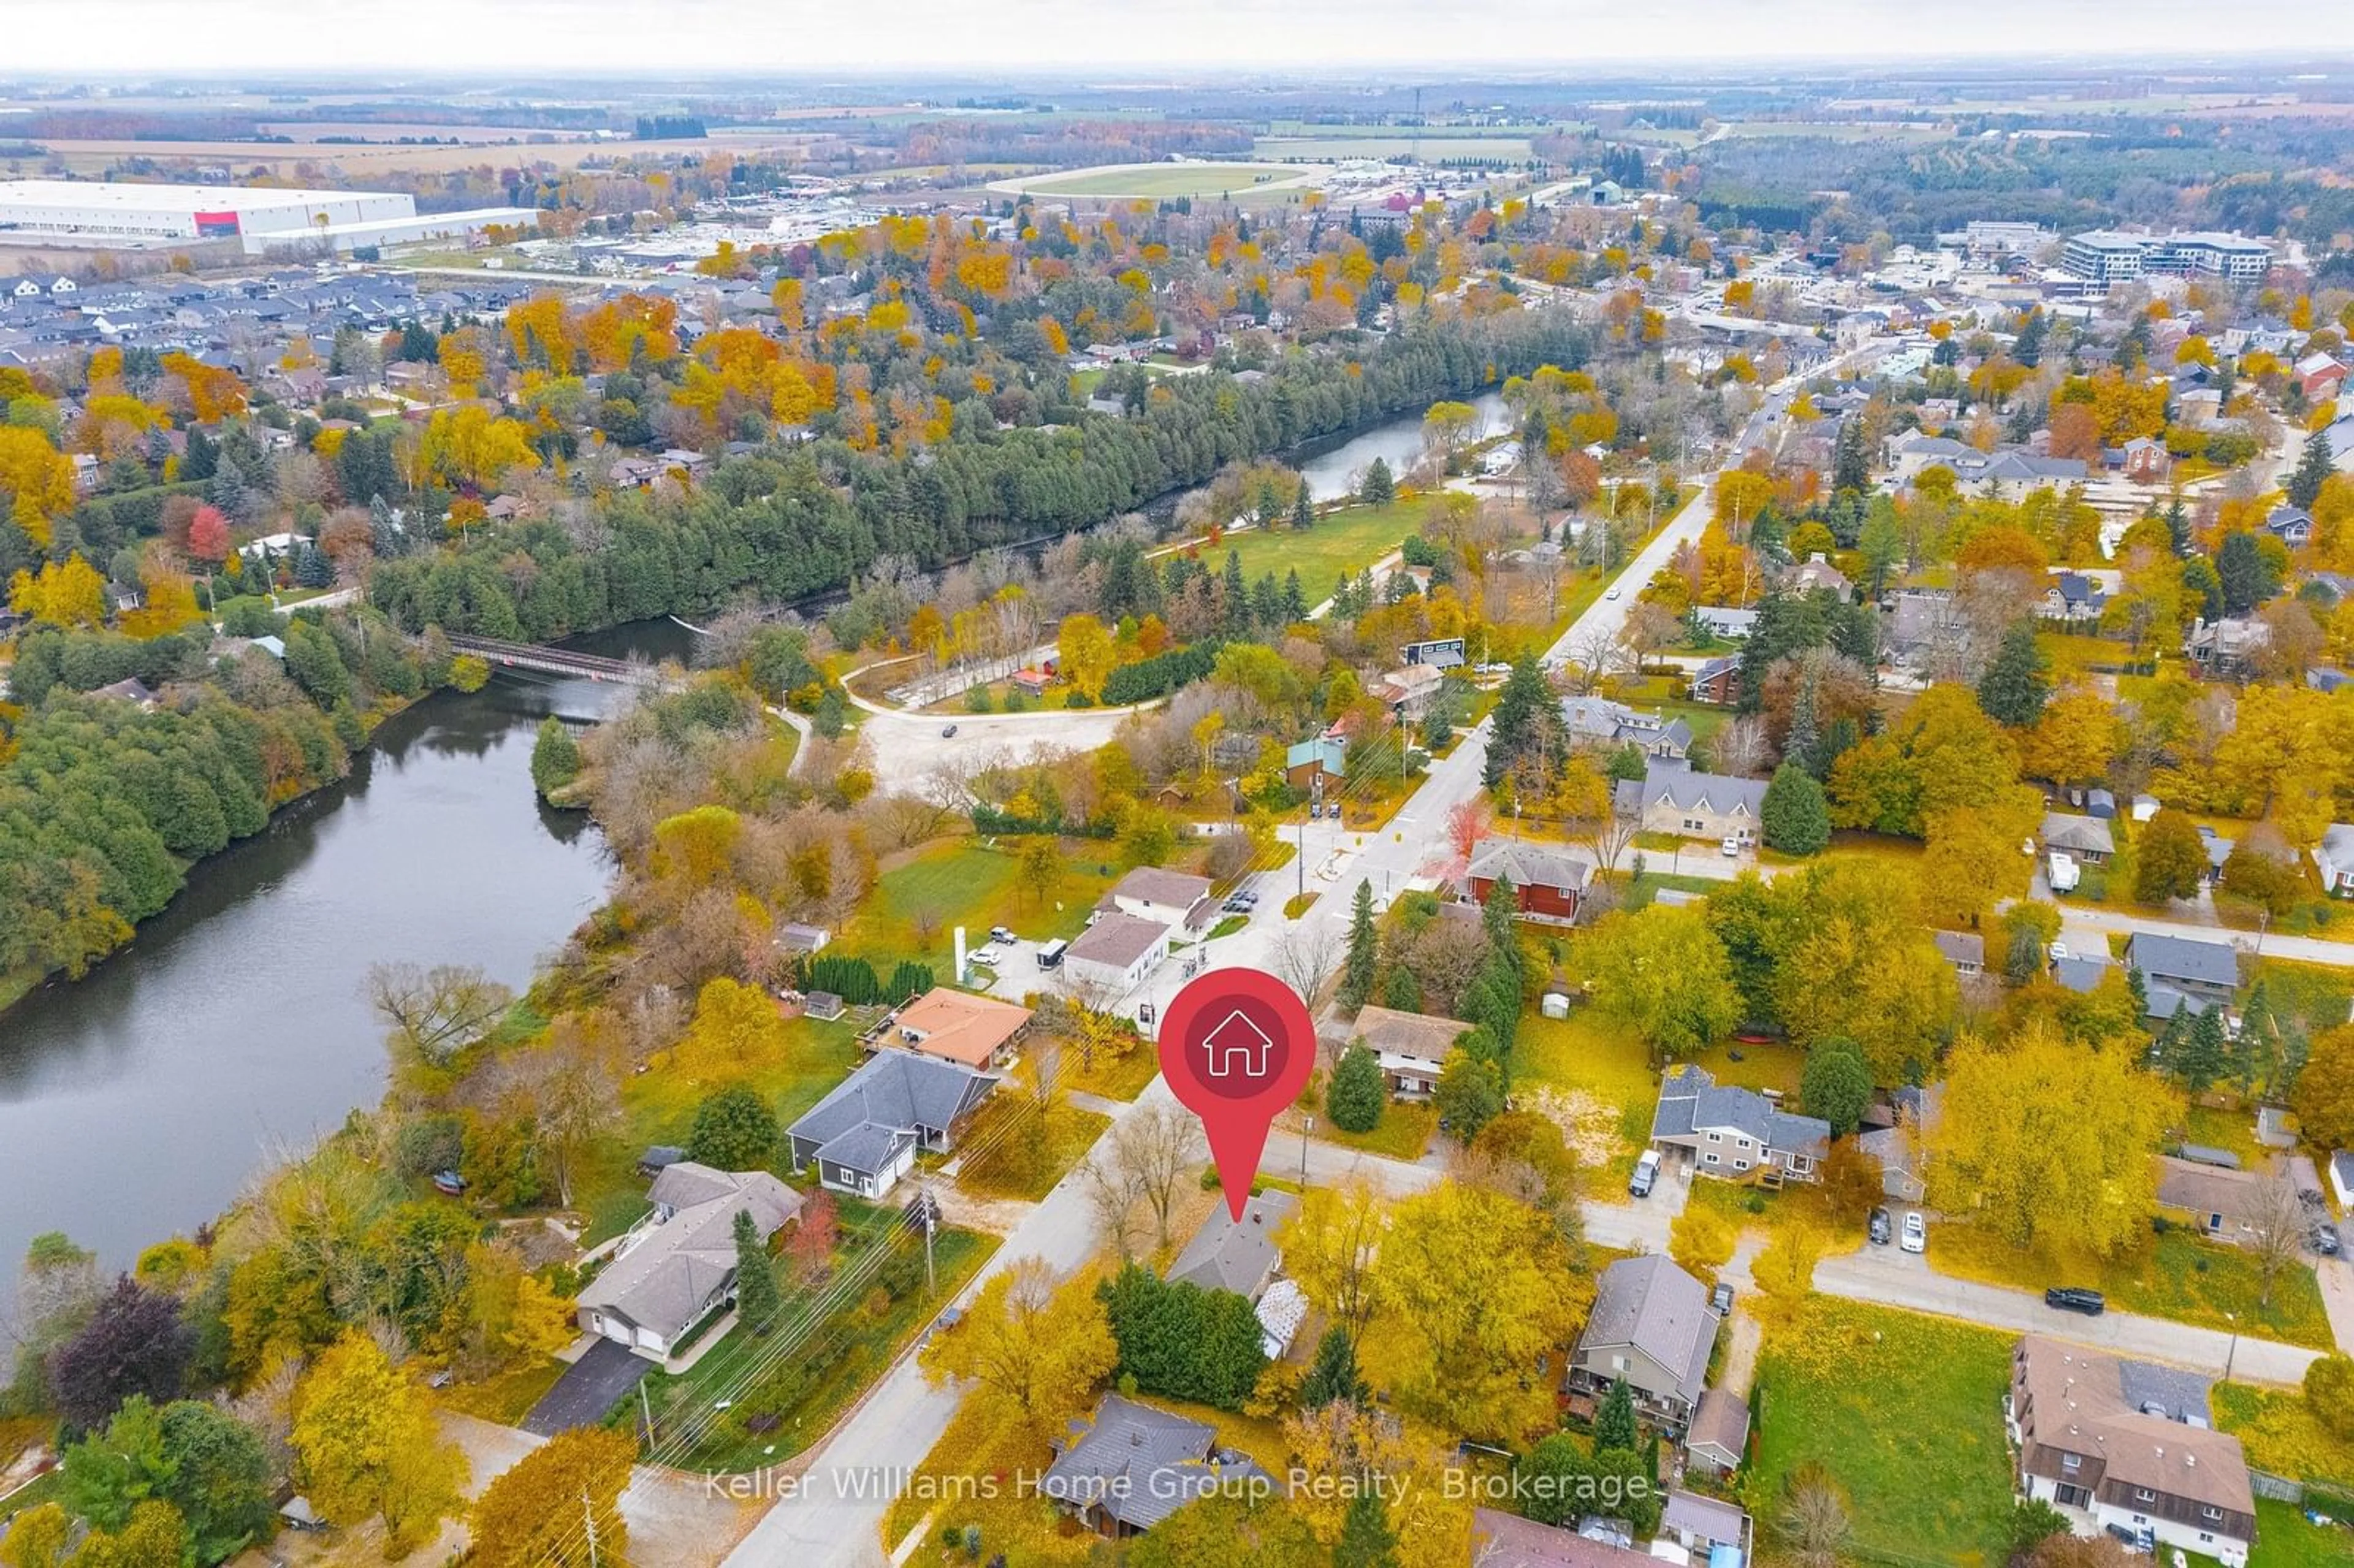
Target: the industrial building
(2109, 256)
(262, 218)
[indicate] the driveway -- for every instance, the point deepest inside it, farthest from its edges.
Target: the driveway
(600, 1380)
(1886, 1277)
(2337, 1278)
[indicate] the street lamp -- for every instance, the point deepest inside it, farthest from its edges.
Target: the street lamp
(2232, 1354)
(1306, 1126)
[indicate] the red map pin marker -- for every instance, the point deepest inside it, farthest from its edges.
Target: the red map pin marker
(1236, 1046)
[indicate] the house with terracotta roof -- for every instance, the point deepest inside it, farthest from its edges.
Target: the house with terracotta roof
(979, 1031)
(2126, 1445)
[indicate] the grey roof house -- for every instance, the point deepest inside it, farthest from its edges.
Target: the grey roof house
(1736, 1133)
(678, 1266)
(1672, 798)
(1651, 1325)
(2334, 858)
(865, 1135)
(1240, 1256)
(2088, 837)
(2203, 972)
(1130, 1467)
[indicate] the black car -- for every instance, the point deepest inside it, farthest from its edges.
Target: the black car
(1720, 1301)
(2325, 1239)
(1883, 1230)
(2075, 1299)
(947, 731)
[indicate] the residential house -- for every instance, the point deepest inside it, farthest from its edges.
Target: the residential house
(978, 1032)
(1722, 621)
(1409, 689)
(2072, 595)
(1921, 626)
(1717, 681)
(1126, 1468)
(794, 936)
(2086, 838)
(1547, 885)
(1817, 572)
(1651, 1325)
(2292, 526)
(2145, 461)
(2203, 972)
(1413, 1047)
(2319, 377)
(1733, 1132)
(1172, 898)
(678, 1266)
(1717, 1441)
(1507, 1541)
(2341, 1176)
(865, 1135)
(2082, 975)
(1599, 721)
(2225, 648)
(1672, 798)
(1441, 652)
(1240, 1256)
(1894, 1134)
(1966, 950)
(1320, 763)
(2224, 1204)
(1117, 952)
(2334, 858)
(2125, 1444)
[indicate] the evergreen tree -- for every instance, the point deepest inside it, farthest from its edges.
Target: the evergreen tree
(1794, 814)
(1401, 992)
(1378, 488)
(1295, 598)
(1303, 509)
(1520, 724)
(1613, 1420)
(756, 1281)
(1469, 1096)
(1851, 467)
(1236, 594)
(2013, 689)
(554, 757)
(1497, 913)
(1364, 951)
(2252, 1053)
(1366, 1538)
(1334, 1375)
(832, 715)
(2028, 350)
(1357, 1095)
(2316, 464)
(2240, 567)
(2199, 1058)
(1805, 735)
(2178, 525)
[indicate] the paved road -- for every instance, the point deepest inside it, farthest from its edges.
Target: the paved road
(1888, 1277)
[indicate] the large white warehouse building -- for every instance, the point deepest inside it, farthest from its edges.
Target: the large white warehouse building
(188, 212)
(262, 218)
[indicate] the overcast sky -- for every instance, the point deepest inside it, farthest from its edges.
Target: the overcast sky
(1126, 37)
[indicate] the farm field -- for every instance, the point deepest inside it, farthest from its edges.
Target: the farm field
(1159, 181)
(1392, 145)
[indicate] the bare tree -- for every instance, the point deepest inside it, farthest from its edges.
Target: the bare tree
(1443, 957)
(1112, 1192)
(1306, 954)
(1813, 1522)
(2277, 1228)
(1741, 747)
(436, 1012)
(1156, 1144)
(1608, 836)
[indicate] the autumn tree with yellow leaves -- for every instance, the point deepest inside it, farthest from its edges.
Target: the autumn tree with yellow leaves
(367, 1447)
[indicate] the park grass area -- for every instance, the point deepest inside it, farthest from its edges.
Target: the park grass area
(1026, 1165)
(784, 1391)
(508, 1398)
(2073, 654)
(2232, 1128)
(1905, 1411)
(1591, 1080)
(2174, 1274)
(792, 1068)
(1158, 182)
(1346, 541)
(964, 882)
(2286, 1539)
(2280, 1435)
(45, 1488)
(1120, 1076)
(1850, 845)
(1776, 1064)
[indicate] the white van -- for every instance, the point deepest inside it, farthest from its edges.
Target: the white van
(1051, 955)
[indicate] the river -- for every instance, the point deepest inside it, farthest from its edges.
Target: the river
(1333, 474)
(138, 1101)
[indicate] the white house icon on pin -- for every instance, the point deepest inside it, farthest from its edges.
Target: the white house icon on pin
(1236, 1046)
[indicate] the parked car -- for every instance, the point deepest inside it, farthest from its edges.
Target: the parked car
(947, 731)
(1612, 594)
(1720, 1301)
(1884, 1229)
(1000, 934)
(2325, 1239)
(987, 958)
(2075, 1299)
(1731, 848)
(1916, 1234)
(449, 1183)
(2137, 1538)
(1647, 1174)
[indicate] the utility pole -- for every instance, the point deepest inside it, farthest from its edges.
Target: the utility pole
(1306, 1126)
(588, 1524)
(931, 1211)
(646, 1404)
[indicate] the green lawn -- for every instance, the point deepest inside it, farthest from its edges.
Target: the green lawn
(508, 1398)
(1402, 1133)
(1348, 540)
(1596, 1082)
(783, 1394)
(47, 1487)
(1905, 1411)
(794, 1068)
(965, 881)
(2285, 1540)
(1160, 181)
(1026, 1166)
(2175, 1276)
(2280, 1435)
